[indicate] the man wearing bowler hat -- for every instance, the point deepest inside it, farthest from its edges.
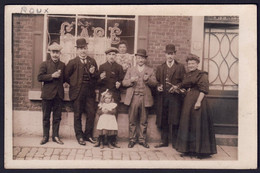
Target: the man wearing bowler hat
(168, 99)
(51, 73)
(110, 77)
(81, 74)
(139, 80)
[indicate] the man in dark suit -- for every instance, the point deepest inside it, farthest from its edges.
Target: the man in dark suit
(81, 74)
(139, 80)
(51, 73)
(111, 76)
(169, 101)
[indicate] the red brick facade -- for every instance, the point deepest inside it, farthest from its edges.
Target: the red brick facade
(165, 30)
(162, 30)
(23, 26)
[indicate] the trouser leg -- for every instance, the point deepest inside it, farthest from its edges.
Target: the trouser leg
(165, 123)
(143, 120)
(133, 114)
(57, 108)
(90, 110)
(174, 134)
(46, 109)
(77, 107)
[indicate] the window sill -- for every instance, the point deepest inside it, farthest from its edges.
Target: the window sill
(36, 95)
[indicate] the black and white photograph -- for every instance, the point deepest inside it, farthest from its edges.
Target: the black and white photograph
(130, 86)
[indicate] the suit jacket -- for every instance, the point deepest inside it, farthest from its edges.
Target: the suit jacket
(114, 73)
(51, 86)
(176, 76)
(74, 76)
(151, 82)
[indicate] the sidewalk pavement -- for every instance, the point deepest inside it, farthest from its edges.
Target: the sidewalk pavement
(29, 148)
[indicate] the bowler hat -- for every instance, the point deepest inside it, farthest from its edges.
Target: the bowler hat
(111, 49)
(170, 48)
(54, 46)
(81, 42)
(141, 52)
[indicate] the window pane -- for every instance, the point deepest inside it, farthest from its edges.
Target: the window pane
(118, 30)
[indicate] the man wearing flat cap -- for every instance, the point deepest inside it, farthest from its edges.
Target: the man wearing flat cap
(81, 74)
(168, 100)
(51, 73)
(139, 80)
(110, 77)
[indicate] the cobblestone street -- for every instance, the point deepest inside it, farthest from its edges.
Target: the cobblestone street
(28, 148)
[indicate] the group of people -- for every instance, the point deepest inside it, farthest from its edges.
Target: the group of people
(181, 105)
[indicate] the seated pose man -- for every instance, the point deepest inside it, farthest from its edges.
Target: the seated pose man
(139, 81)
(51, 73)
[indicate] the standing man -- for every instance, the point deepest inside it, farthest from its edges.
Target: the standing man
(139, 81)
(51, 73)
(81, 74)
(111, 76)
(168, 108)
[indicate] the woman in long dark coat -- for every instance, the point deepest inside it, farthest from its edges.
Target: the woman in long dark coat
(196, 134)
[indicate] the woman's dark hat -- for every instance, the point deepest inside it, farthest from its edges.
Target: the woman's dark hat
(141, 52)
(111, 49)
(193, 57)
(81, 42)
(170, 48)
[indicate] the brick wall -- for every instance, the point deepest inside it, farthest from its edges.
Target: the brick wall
(163, 30)
(23, 26)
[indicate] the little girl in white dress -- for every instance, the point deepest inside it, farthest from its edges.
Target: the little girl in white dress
(107, 124)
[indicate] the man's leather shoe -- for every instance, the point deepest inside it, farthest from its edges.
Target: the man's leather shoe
(91, 140)
(57, 140)
(131, 144)
(81, 141)
(144, 144)
(161, 145)
(44, 140)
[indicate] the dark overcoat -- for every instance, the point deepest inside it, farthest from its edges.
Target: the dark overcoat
(175, 78)
(114, 73)
(51, 86)
(74, 76)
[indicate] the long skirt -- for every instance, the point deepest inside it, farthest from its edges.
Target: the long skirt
(196, 132)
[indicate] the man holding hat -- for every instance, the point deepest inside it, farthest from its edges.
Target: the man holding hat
(139, 80)
(81, 74)
(169, 101)
(110, 77)
(51, 73)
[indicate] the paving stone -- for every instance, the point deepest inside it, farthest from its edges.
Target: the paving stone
(28, 158)
(71, 157)
(161, 155)
(88, 153)
(47, 158)
(81, 151)
(16, 150)
(57, 151)
(107, 155)
(65, 152)
(40, 152)
(23, 152)
(170, 156)
(143, 155)
(97, 158)
(116, 155)
(32, 152)
(151, 155)
(87, 158)
(49, 152)
(19, 158)
(134, 156)
(54, 157)
(79, 157)
(37, 158)
(63, 157)
(96, 152)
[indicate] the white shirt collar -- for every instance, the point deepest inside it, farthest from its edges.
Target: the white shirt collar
(170, 64)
